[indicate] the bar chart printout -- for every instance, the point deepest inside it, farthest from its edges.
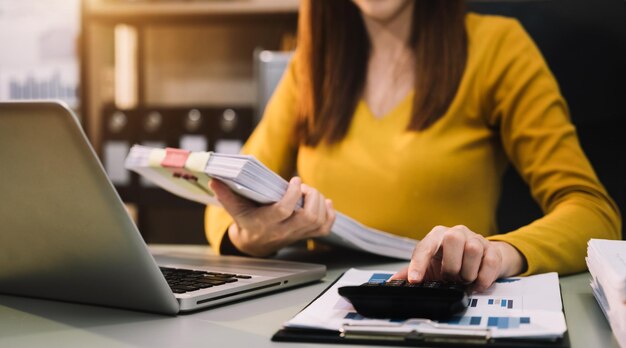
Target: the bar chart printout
(525, 307)
(40, 58)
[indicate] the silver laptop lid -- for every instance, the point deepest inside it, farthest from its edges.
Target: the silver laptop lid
(65, 232)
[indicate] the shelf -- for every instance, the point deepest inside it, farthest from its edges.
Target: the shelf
(141, 55)
(173, 10)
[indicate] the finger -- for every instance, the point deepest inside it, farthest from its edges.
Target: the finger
(312, 196)
(331, 216)
(327, 225)
(219, 188)
(423, 253)
(315, 221)
(305, 221)
(489, 269)
(313, 210)
(307, 227)
(453, 244)
(234, 204)
(401, 274)
(285, 207)
(323, 210)
(472, 257)
(433, 272)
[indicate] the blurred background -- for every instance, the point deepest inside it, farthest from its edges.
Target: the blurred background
(189, 74)
(196, 74)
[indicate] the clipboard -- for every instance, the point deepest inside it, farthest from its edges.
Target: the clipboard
(335, 337)
(411, 339)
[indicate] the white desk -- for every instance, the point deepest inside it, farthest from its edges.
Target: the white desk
(39, 323)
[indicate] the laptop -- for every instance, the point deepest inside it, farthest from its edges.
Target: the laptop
(66, 234)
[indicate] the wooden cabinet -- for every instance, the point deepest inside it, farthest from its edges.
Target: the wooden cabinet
(142, 57)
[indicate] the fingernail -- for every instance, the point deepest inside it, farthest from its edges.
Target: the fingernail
(414, 275)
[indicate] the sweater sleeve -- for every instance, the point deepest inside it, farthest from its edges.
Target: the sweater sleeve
(525, 104)
(271, 143)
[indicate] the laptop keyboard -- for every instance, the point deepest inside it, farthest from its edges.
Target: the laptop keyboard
(186, 280)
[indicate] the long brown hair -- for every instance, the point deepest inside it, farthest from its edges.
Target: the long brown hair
(333, 52)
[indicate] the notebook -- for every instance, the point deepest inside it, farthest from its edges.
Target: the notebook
(66, 234)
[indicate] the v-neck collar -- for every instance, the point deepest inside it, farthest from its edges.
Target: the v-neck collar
(393, 111)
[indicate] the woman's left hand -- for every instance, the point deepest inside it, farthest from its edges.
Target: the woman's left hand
(457, 254)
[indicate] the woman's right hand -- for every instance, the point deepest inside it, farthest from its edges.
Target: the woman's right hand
(262, 230)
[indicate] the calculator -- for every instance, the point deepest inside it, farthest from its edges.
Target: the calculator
(399, 299)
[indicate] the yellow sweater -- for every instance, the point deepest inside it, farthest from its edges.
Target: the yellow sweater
(508, 108)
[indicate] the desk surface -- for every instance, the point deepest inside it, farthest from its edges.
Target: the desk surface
(31, 323)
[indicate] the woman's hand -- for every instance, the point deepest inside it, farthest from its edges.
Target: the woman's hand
(262, 230)
(460, 255)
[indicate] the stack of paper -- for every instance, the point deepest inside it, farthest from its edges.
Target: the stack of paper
(606, 260)
(187, 175)
(522, 308)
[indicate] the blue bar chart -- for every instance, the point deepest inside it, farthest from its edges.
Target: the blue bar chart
(40, 57)
(498, 322)
(496, 302)
(42, 88)
(501, 302)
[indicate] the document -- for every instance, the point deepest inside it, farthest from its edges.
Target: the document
(187, 174)
(606, 260)
(519, 307)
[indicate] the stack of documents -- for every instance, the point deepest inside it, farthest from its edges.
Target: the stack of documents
(606, 260)
(525, 309)
(187, 175)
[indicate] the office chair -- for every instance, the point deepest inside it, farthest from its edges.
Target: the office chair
(268, 67)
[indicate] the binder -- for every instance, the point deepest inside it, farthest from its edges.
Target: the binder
(118, 135)
(412, 339)
(154, 130)
(193, 133)
(229, 128)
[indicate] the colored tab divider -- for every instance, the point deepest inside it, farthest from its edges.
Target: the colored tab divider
(175, 158)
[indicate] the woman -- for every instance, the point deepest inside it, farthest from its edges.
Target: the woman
(405, 114)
